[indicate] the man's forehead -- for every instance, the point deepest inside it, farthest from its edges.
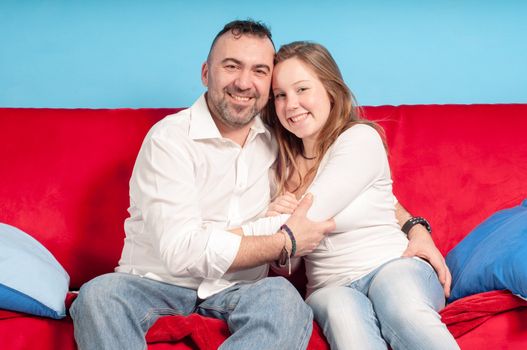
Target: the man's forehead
(246, 47)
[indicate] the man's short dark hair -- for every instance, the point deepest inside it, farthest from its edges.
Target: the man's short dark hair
(247, 27)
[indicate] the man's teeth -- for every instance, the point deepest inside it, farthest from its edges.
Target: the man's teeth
(241, 98)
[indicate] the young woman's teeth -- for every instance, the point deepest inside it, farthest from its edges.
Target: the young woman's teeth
(298, 118)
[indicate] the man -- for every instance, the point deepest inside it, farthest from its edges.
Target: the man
(197, 173)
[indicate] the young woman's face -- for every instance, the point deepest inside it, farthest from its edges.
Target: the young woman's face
(301, 101)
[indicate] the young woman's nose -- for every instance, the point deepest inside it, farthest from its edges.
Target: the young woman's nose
(292, 103)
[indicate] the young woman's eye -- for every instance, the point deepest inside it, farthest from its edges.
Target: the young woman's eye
(302, 89)
(279, 95)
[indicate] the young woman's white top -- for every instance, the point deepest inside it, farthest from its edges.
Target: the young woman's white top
(353, 185)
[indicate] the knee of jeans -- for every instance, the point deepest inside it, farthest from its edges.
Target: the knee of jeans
(326, 301)
(411, 265)
(280, 286)
(94, 294)
(284, 294)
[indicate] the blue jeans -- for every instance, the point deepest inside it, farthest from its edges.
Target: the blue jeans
(115, 311)
(397, 303)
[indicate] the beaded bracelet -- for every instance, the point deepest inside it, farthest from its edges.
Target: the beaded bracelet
(292, 237)
(284, 258)
(284, 253)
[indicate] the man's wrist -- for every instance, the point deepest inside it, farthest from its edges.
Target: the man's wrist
(289, 233)
(415, 221)
(284, 259)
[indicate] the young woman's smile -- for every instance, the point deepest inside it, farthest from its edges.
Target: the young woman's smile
(301, 101)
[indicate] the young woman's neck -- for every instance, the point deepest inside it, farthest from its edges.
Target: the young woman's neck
(309, 148)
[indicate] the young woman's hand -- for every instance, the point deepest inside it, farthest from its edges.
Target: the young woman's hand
(284, 204)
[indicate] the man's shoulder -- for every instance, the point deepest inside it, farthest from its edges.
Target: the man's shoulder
(176, 124)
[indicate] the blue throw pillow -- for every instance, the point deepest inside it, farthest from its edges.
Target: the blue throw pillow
(493, 256)
(31, 279)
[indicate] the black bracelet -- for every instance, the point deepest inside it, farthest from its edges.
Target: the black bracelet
(418, 220)
(291, 236)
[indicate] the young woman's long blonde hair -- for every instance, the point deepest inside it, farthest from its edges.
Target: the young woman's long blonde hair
(343, 114)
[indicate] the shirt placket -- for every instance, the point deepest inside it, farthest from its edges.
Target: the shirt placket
(235, 209)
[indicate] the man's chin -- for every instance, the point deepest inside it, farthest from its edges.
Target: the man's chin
(240, 122)
(242, 118)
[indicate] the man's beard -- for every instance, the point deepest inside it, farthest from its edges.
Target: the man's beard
(229, 113)
(236, 120)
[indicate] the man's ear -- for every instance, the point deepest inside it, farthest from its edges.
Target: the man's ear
(205, 74)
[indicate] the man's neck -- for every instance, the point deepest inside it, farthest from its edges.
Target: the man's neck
(237, 135)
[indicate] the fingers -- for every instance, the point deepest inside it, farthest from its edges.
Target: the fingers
(290, 196)
(448, 282)
(328, 226)
(440, 267)
(284, 204)
(408, 253)
(283, 207)
(304, 205)
(288, 199)
(443, 273)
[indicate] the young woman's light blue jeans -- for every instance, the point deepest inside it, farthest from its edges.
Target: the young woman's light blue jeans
(395, 304)
(115, 311)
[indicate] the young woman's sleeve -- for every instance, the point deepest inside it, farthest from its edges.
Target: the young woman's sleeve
(356, 160)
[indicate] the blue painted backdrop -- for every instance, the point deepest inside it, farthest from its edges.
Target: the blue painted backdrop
(135, 53)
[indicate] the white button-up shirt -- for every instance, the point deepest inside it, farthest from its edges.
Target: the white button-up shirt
(188, 186)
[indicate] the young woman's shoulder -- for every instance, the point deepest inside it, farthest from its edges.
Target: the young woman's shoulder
(360, 134)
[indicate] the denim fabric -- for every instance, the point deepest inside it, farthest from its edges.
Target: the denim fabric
(115, 311)
(396, 304)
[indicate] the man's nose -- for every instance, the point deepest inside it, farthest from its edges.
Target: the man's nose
(244, 80)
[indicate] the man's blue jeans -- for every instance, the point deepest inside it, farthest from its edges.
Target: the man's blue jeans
(115, 311)
(397, 303)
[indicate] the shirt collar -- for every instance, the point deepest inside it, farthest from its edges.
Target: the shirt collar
(202, 125)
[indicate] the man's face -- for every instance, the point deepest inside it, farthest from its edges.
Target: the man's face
(238, 77)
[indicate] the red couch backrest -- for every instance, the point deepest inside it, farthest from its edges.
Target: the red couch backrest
(64, 179)
(64, 172)
(456, 164)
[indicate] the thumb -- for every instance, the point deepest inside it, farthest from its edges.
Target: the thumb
(408, 253)
(329, 226)
(304, 205)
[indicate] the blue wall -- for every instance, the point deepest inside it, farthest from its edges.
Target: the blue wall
(135, 53)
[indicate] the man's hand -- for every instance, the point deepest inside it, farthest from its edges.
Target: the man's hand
(421, 244)
(284, 204)
(308, 234)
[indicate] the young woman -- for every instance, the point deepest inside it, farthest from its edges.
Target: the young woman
(363, 294)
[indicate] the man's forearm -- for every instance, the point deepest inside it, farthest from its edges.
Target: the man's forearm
(256, 251)
(403, 216)
(303, 234)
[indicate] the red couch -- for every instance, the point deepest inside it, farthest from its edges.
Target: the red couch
(64, 179)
